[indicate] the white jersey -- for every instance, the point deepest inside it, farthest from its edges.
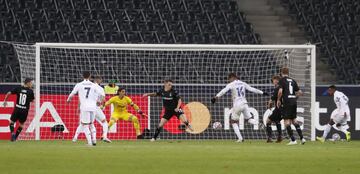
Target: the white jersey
(88, 93)
(341, 101)
(100, 89)
(238, 91)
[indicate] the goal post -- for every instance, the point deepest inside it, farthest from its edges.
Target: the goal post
(199, 72)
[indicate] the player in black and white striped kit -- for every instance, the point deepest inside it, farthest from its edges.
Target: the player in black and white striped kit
(24, 96)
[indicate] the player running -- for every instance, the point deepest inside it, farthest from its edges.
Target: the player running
(99, 116)
(90, 97)
(24, 96)
(287, 98)
(340, 116)
(275, 116)
(240, 105)
(172, 104)
(121, 102)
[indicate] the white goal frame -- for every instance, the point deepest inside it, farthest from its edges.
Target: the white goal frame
(200, 47)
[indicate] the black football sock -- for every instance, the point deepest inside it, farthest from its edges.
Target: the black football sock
(299, 131)
(278, 127)
(11, 127)
(186, 123)
(290, 133)
(157, 132)
(268, 130)
(18, 131)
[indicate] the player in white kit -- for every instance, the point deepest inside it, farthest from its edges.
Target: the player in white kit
(340, 116)
(238, 94)
(99, 116)
(88, 94)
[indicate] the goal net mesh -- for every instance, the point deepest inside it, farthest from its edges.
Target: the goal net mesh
(198, 74)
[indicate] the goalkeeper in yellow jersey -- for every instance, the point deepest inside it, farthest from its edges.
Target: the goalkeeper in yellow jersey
(121, 102)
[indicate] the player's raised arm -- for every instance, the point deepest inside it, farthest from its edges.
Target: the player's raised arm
(6, 98)
(73, 92)
(221, 93)
(254, 90)
(153, 94)
(110, 101)
(136, 107)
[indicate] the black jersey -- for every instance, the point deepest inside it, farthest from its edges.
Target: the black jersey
(289, 87)
(170, 98)
(24, 97)
(275, 93)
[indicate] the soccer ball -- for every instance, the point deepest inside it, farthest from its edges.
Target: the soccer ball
(336, 137)
(217, 125)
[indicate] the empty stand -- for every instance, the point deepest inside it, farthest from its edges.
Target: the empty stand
(119, 21)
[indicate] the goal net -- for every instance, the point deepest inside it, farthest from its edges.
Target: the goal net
(198, 72)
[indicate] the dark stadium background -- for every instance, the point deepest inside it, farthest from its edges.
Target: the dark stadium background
(334, 25)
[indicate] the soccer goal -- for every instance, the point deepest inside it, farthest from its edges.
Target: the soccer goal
(199, 72)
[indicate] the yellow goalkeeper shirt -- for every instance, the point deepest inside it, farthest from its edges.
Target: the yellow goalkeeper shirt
(121, 104)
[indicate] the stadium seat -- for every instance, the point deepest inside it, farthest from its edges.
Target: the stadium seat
(152, 16)
(149, 37)
(135, 21)
(110, 25)
(136, 15)
(80, 4)
(120, 15)
(96, 5)
(191, 27)
(66, 36)
(93, 25)
(64, 4)
(335, 25)
(101, 14)
(50, 36)
(34, 36)
(166, 37)
(142, 5)
(175, 27)
(133, 37)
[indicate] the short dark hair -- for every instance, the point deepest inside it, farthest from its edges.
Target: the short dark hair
(284, 70)
(27, 80)
(232, 75)
(86, 74)
(168, 80)
(120, 89)
(275, 77)
(332, 87)
(97, 77)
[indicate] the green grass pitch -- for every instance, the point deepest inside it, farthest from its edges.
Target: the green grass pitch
(183, 157)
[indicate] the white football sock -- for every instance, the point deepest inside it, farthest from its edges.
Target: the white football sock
(237, 131)
(105, 129)
(326, 131)
(93, 132)
(87, 133)
(78, 131)
(343, 129)
(253, 121)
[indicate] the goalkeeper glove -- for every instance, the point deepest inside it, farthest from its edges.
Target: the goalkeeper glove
(213, 100)
(266, 94)
(140, 112)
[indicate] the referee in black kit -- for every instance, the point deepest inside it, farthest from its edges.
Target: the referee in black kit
(24, 96)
